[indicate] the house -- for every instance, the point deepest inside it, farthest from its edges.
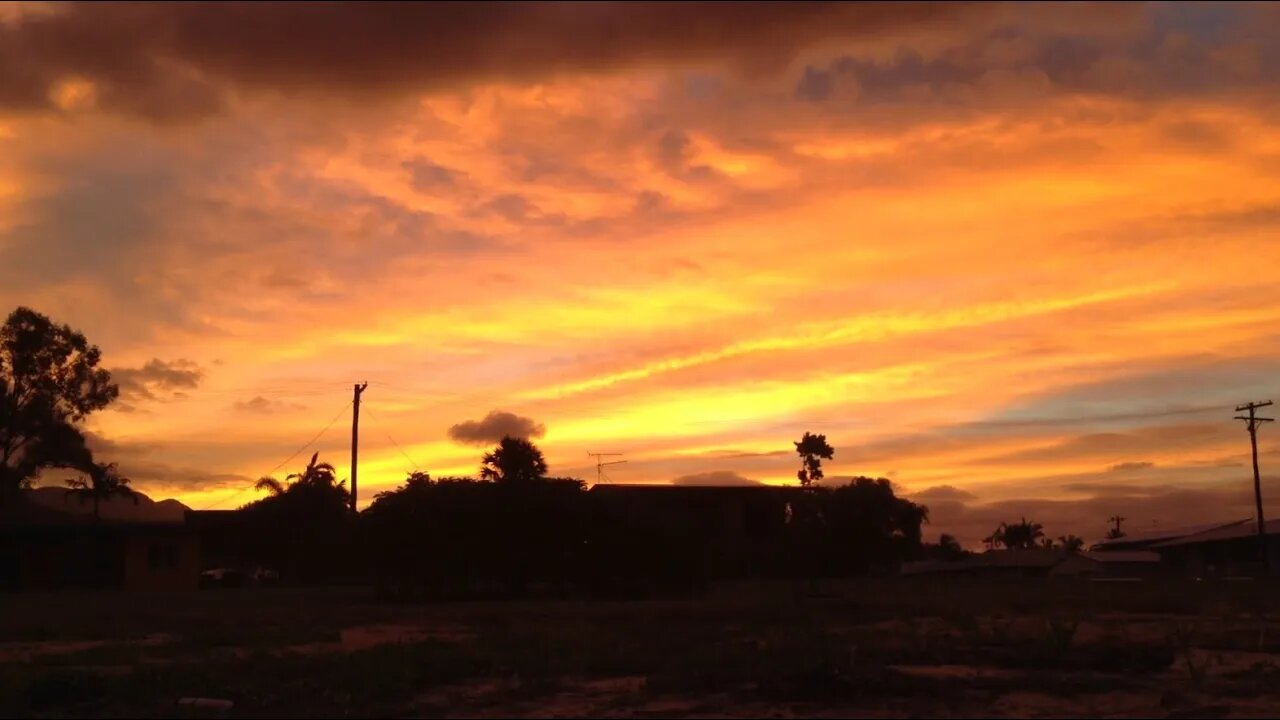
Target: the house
(741, 528)
(1224, 551)
(42, 549)
(1114, 564)
(1146, 540)
(1041, 562)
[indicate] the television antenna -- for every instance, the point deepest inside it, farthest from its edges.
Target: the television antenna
(601, 463)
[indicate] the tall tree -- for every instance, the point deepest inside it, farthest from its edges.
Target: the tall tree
(812, 449)
(101, 482)
(515, 460)
(49, 382)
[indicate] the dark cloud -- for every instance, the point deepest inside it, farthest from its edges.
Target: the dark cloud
(495, 426)
(171, 61)
(1164, 53)
(815, 85)
(942, 493)
(427, 176)
(156, 380)
(1131, 466)
(714, 478)
(264, 406)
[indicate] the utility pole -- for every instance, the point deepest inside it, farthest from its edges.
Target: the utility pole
(355, 441)
(600, 464)
(1251, 421)
(1116, 520)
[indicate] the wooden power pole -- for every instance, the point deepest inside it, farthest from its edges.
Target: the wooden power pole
(1116, 533)
(355, 441)
(1251, 421)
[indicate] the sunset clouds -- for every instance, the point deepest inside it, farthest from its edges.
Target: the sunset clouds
(1016, 258)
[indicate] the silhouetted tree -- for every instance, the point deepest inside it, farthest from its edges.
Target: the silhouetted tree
(459, 536)
(996, 538)
(515, 460)
(812, 449)
(1072, 543)
(1021, 535)
(867, 527)
(950, 547)
(101, 482)
(303, 526)
(49, 381)
(273, 486)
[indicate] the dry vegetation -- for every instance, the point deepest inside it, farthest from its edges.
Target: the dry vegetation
(892, 648)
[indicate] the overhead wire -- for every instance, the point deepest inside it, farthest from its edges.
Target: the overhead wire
(387, 435)
(282, 463)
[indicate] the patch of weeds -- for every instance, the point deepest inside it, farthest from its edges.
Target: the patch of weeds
(1184, 636)
(1059, 632)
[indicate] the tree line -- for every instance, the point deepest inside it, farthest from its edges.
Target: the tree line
(511, 527)
(514, 528)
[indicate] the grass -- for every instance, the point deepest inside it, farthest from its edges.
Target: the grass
(736, 648)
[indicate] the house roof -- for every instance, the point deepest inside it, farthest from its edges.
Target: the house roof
(1234, 531)
(1035, 557)
(1161, 535)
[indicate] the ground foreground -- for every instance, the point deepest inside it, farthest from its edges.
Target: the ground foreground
(886, 648)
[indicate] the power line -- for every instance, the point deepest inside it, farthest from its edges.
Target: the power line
(387, 435)
(282, 463)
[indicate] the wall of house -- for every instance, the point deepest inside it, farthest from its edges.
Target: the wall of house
(162, 561)
(62, 560)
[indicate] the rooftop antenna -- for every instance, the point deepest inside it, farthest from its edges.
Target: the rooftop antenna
(601, 464)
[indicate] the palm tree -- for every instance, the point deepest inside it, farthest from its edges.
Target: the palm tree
(1072, 543)
(1022, 535)
(314, 475)
(273, 486)
(102, 482)
(514, 460)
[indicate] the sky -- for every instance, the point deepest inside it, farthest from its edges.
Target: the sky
(1019, 259)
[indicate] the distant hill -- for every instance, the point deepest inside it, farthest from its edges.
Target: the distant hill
(117, 508)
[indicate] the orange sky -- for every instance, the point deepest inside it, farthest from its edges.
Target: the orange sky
(1020, 259)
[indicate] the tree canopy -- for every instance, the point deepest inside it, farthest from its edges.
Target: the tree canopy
(101, 482)
(515, 460)
(49, 381)
(812, 449)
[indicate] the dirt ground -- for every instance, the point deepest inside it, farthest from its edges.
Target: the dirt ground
(886, 648)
